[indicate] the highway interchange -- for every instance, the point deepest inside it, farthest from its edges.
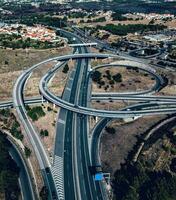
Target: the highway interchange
(68, 176)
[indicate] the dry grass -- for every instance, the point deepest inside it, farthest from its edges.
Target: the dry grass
(60, 79)
(115, 148)
(169, 90)
(131, 81)
(48, 123)
(19, 60)
(109, 105)
(170, 24)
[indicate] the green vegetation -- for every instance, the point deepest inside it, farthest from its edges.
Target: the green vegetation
(65, 69)
(96, 76)
(49, 109)
(173, 138)
(9, 172)
(117, 78)
(44, 193)
(27, 152)
(130, 28)
(118, 16)
(173, 165)
(16, 41)
(44, 133)
(77, 15)
(112, 79)
(134, 181)
(6, 62)
(173, 150)
(100, 19)
(35, 113)
(102, 80)
(5, 113)
(27, 107)
(10, 123)
(108, 75)
(110, 130)
(16, 131)
(148, 179)
(172, 55)
(44, 19)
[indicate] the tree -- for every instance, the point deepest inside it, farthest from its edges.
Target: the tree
(130, 28)
(173, 165)
(117, 78)
(44, 193)
(33, 115)
(44, 133)
(36, 112)
(6, 62)
(96, 76)
(27, 152)
(132, 194)
(8, 183)
(49, 109)
(152, 21)
(134, 181)
(110, 130)
(9, 171)
(65, 69)
(16, 131)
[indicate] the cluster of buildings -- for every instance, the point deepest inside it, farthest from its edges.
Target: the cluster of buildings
(38, 32)
(150, 16)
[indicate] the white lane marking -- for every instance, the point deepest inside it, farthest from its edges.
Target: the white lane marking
(58, 176)
(61, 121)
(69, 89)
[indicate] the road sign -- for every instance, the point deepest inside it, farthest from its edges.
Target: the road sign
(99, 177)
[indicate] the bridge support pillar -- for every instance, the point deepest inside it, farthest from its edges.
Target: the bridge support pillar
(96, 119)
(54, 106)
(42, 99)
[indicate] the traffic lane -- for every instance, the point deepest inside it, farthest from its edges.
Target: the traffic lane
(25, 184)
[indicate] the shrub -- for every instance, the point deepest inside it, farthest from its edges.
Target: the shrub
(96, 76)
(110, 130)
(44, 133)
(49, 109)
(5, 112)
(65, 69)
(27, 152)
(44, 193)
(117, 78)
(6, 62)
(35, 113)
(15, 131)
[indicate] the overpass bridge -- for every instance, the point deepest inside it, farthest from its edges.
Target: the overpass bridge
(93, 44)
